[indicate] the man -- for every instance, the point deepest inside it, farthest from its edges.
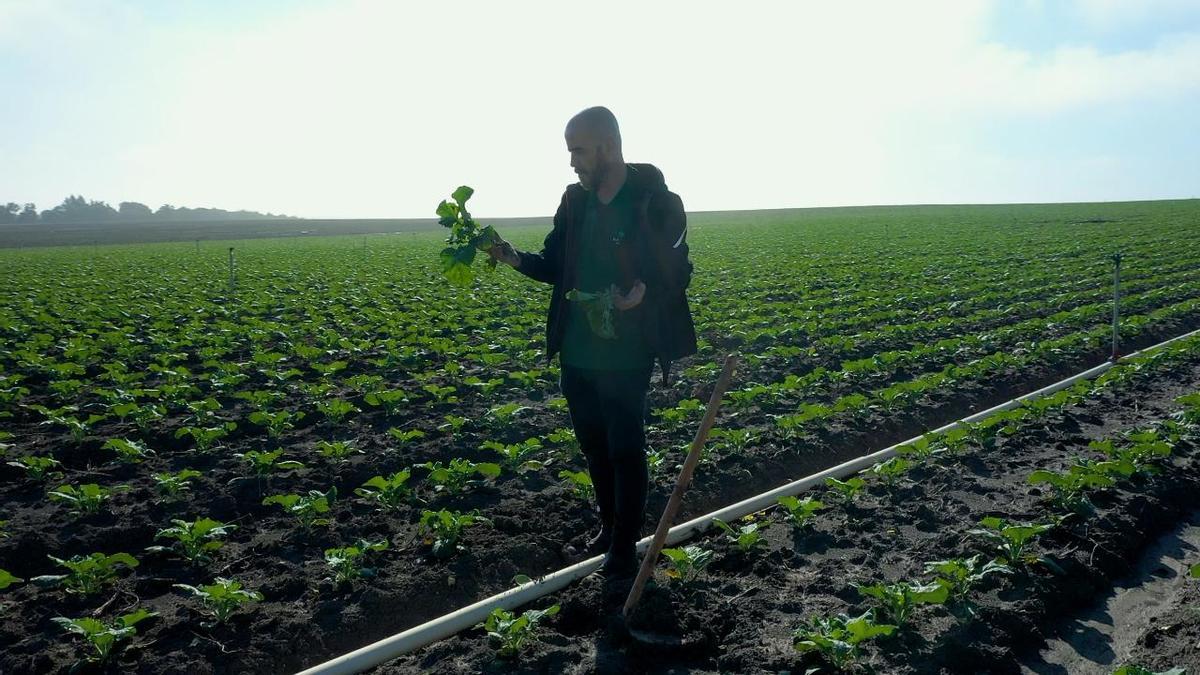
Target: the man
(618, 233)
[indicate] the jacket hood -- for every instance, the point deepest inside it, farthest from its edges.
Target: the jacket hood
(645, 177)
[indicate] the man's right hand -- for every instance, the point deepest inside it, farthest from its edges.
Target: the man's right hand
(505, 253)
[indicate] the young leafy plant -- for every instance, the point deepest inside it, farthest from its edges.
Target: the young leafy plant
(510, 633)
(276, 422)
(685, 564)
(207, 438)
(103, 637)
(87, 575)
(85, 499)
(308, 509)
(466, 236)
(392, 492)
(897, 601)
(443, 529)
(404, 436)
(837, 639)
(346, 562)
(961, 575)
(131, 452)
(800, 511)
(390, 400)
(338, 451)
(171, 485)
(458, 474)
(1010, 540)
(337, 410)
(848, 489)
(263, 464)
(194, 540)
(37, 468)
(581, 484)
(747, 536)
(221, 598)
(891, 470)
(516, 456)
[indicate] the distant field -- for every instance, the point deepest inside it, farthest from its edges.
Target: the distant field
(77, 234)
(133, 369)
(83, 234)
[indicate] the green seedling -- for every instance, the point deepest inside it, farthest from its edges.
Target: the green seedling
(801, 511)
(103, 637)
(516, 456)
(1011, 540)
(221, 598)
(392, 492)
(891, 471)
(466, 236)
(961, 575)
(838, 639)
(390, 400)
(503, 416)
(85, 499)
(444, 529)
(338, 451)
(346, 562)
(405, 436)
(747, 537)
(1070, 488)
(458, 474)
(263, 464)
(194, 540)
(86, 575)
(276, 422)
(734, 441)
(685, 564)
(308, 509)
(581, 484)
(37, 468)
(171, 485)
(511, 633)
(598, 309)
(848, 490)
(130, 452)
(897, 601)
(207, 438)
(337, 410)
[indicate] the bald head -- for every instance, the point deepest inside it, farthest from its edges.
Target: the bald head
(599, 124)
(594, 141)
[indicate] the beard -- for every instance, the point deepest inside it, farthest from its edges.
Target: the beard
(590, 178)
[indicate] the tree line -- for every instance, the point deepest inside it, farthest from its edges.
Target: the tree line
(76, 209)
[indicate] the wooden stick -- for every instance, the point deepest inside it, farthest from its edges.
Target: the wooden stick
(681, 486)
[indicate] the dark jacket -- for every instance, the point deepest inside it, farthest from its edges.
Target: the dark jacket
(656, 253)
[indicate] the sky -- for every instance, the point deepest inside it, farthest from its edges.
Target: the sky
(379, 109)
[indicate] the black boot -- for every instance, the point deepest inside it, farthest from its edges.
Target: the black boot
(621, 562)
(598, 544)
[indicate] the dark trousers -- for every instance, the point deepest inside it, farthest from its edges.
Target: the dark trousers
(608, 415)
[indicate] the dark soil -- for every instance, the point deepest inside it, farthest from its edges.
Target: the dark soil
(305, 618)
(746, 606)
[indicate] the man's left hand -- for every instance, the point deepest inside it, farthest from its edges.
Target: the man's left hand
(631, 299)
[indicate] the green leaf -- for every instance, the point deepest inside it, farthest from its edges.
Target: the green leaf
(456, 264)
(7, 579)
(462, 194)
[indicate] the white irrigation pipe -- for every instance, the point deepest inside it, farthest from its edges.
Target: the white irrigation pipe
(462, 619)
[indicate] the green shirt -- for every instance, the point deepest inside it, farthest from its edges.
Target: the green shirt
(596, 269)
